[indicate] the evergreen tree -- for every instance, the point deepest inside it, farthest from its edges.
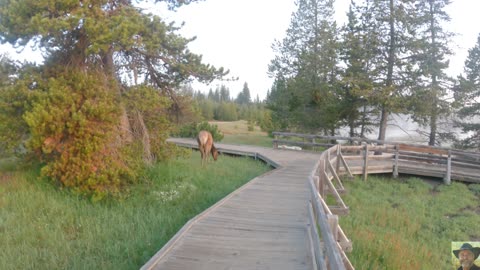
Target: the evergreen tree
(357, 51)
(279, 101)
(391, 26)
(467, 92)
(307, 60)
(244, 96)
(429, 98)
(211, 95)
(13, 131)
(224, 94)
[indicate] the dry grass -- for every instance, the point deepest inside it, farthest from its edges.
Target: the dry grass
(237, 133)
(238, 128)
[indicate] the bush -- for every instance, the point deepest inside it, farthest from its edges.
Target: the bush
(250, 125)
(73, 126)
(191, 130)
(147, 108)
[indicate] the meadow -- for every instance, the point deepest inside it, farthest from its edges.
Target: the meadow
(42, 227)
(237, 133)
(408, 223)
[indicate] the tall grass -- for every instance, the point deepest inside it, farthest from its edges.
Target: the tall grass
(408, 224)
(42, 227)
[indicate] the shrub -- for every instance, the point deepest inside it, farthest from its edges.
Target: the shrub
(146, 105)
(250, 125)
(191, 130)
(73, 125)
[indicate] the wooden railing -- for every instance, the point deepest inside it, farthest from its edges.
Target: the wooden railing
(330, 243)
(396, 158)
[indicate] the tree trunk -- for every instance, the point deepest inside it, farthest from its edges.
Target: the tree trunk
(433, 129)
(390, 65)
(383, 123)
(140, 132)
(364, 121)
(434, 85)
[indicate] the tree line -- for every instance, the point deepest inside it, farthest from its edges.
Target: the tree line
(389, 58)
(220, 106)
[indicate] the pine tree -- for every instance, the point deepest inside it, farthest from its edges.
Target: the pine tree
(430, 95)
(392, 35)
(307, 60)
(358, 49)
(467, 92)
(244, 96)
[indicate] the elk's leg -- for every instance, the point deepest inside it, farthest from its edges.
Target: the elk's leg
(208, 150)
(202, 154)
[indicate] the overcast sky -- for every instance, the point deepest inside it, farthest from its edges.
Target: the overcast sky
(238, 34)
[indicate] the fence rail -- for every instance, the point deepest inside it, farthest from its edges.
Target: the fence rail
(401, 158)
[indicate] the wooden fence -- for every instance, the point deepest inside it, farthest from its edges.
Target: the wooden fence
(330, 243)
(396, 158)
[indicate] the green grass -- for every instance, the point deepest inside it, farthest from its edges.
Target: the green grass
(257, 140)
(237, 132)
(408, 224)
(42, 227)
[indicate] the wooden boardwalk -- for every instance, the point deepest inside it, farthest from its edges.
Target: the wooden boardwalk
(262, 225)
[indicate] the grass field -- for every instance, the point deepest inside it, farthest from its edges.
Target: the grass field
(42, 227)
(237, 133)
(409, 223)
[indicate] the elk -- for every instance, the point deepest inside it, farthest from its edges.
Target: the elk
(205, 145)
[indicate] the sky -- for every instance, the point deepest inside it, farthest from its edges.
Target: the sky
(238, 34)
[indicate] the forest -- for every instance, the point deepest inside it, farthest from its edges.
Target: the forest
(115, 83)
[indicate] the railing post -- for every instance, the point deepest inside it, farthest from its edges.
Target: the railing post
(333, 222)
(337, 167)
(395, 163)
(447, 179)
(321, 181)
(275, 143)
(365, 163)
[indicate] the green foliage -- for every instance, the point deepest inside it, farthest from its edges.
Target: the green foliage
(357, 50)
(431, 98)
(251, 125)
(244, 96)
(14, 97)
(306, 70)
(226, 111)
(144, 103)
(191, 130)
(467, 94)
(72, 125)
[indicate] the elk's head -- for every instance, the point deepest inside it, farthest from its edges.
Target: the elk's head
(214, 153)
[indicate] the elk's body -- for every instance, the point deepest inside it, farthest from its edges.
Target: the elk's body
(205, 145)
